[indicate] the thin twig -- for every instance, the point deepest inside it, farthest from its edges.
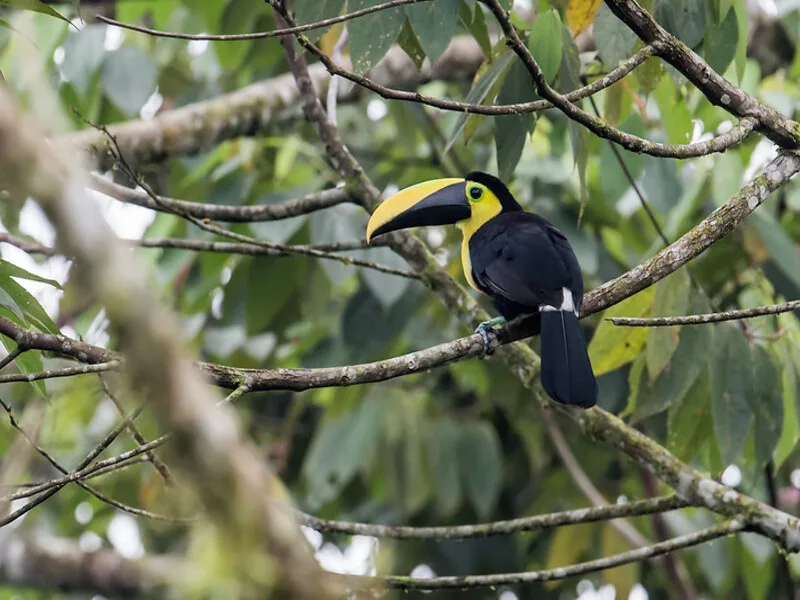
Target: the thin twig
(598, 126)
(475, 581)
(702, 319)
(635, 186)
(223, 212)
(262, 34)
(215, 229)
(333, 86)
(55, 373)
(584, 484)
(158, 464)
(496, 528)
(9, 358)
(477, 109)
(104, 443)
(208, 246)
(86, 471)
(719, 91)
(254, 247)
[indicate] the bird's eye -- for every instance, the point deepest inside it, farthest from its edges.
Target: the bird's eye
(475, 192)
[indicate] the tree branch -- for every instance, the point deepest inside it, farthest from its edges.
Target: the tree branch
(61, 565)
(235, 485)
(600, 127)
(476, 581)
(496, 528)
(779, 129)
(261, 34)
(83, 369)
(730, 315)
(710, 230)
(223, 212)
(251, 110)
(253, 247)
(584, 484)
(478, 109)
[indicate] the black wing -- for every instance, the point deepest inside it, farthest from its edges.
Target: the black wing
(521, 258)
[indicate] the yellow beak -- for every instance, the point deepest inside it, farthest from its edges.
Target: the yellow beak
(435, 202)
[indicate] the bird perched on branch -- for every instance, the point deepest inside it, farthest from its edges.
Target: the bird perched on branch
(519, 259)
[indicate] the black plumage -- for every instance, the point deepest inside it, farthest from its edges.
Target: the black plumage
(519, 259)
(524, 264)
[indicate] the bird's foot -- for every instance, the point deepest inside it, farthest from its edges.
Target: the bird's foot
(484, 329)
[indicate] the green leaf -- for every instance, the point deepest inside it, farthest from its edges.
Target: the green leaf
(672, 298)
(685, 19)
(271, 282)
(340, 449)
(387, 288)
(29, 362)
(726, 177)
(688, 361)
(337, 224)
(8, 269)
(759, 576)
(740, 59)
(409, 42)
(724, 7)
(766, 402)
(689, 421)
(612, 105)
(731, 384)
(372, 35)
(480, 31)
(614, 39)
(578, 135)
(368, 326)
(481, 466)
(790, 433)
(614, 182)
(415, 484)
(35, 6)
(21, 303)
(129, 78)
(612, 346)
(625, 577)
(312, 11)
(649, 74)
(781, 247)
(434, 23)
(443, 439)
(721, 39)
(675, 116)
(635, 379)
(511, 131)
(544, 43)
(83, 54)
(479, 92)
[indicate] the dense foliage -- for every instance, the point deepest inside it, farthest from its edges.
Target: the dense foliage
(463, 443)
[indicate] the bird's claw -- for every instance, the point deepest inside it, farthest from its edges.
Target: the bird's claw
(484, 329)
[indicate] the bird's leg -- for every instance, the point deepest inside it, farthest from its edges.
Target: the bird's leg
(483, 329)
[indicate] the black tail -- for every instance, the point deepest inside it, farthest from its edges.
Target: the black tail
(567, 375)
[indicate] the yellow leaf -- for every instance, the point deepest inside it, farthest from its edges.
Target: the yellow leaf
(623, 578)
(613, 346)
(567, 547)
(328, 41)
(580, 14)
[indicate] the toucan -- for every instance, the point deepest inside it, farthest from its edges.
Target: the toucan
(519, 259)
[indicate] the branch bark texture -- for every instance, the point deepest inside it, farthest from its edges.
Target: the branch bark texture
(251, 110)
(232, 483)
